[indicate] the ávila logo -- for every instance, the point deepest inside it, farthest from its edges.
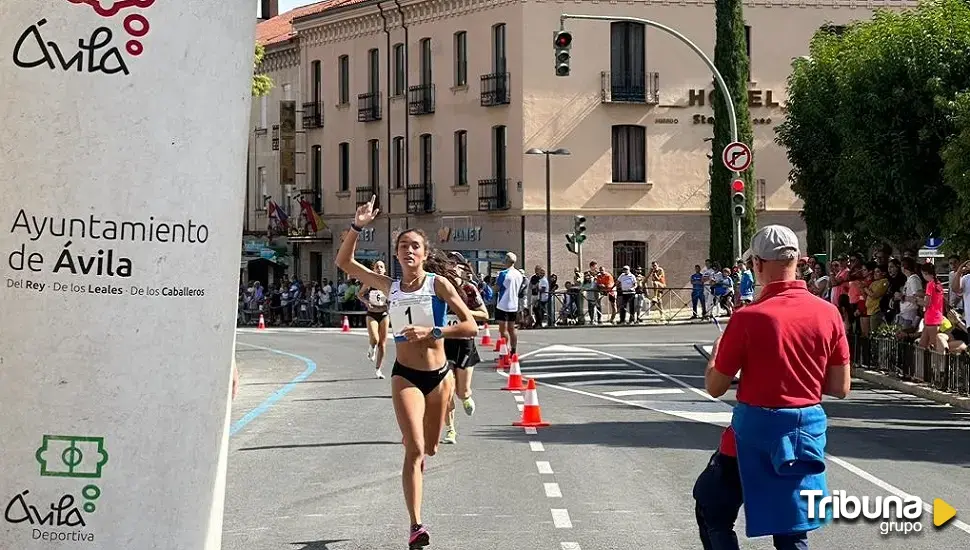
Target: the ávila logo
(98, 54)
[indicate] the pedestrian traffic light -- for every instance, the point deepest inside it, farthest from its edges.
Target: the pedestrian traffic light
(571, 243)
(737, 197)
(579, 228)
(562, 40)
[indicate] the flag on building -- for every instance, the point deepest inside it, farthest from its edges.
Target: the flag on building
(277, 213)
(312, 218)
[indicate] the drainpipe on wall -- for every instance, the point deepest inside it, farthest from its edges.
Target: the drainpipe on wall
(387, 204)
(407, 118)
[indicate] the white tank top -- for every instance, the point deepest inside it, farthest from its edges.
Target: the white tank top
(420, 308)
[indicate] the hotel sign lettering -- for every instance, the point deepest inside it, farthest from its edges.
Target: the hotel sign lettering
(756, 98)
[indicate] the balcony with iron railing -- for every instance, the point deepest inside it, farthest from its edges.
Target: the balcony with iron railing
(421, 99)
(313, 115)
(369, 107)
(493, 194)
(421, 198)
(313, 195)
(365, 193)
(495, 89)
(630, 87)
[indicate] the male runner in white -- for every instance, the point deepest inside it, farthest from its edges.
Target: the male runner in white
(510, 283)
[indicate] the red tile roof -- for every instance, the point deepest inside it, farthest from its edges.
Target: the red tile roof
(280, 28)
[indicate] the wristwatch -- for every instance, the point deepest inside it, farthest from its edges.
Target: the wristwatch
(436, 333)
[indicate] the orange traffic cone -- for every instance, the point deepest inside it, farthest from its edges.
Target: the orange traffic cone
(503, 356)
(515, 382)
(531, 413)
(262, 323)
(498, 343)
(346, 325)
(487, 339)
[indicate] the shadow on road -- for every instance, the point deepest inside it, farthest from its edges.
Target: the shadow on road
(348, 398)
(320, 445)
(285, 382)
(316, 545)
(648, 434)
(896, 432)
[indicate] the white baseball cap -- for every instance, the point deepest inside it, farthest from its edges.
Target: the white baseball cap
(773, 243)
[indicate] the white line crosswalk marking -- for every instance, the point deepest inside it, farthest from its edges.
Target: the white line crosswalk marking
(649, 391)
(643, 379)
(581, 373)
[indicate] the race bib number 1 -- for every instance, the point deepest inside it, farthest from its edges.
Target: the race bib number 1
(452, 320)
(411, 310)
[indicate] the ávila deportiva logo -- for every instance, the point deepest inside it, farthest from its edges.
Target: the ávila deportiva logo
(99, 53)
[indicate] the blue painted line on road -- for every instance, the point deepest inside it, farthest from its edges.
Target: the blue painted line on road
(311, 366)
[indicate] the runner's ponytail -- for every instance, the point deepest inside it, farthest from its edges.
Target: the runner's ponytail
(438, 263)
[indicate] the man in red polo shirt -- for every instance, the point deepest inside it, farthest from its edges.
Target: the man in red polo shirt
(792, 349)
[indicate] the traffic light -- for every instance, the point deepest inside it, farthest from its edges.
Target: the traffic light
(579, 228)
(562, 40)
(737, 197)
(571, 243)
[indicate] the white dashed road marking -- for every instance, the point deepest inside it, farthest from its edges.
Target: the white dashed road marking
(560, 518)
(710, 410)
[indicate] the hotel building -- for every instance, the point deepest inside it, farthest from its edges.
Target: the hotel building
(432, 104)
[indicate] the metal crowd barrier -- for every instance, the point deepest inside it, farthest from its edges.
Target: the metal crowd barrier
(907, 361)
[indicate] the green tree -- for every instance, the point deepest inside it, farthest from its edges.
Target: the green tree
(812, 141)
(262, 84)
(868, 119)
(956, 162)
(731, 60)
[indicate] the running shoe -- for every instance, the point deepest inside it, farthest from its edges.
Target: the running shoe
(419, 537)
(469, 404)
(371, 353)
(451, 435)
(379, 374)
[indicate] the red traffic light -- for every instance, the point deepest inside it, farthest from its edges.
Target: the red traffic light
(737, 186)
(563, 39)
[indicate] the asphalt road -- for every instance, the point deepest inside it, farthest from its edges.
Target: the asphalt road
(315, 455)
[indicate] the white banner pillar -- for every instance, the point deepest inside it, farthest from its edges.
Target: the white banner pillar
(122, 171)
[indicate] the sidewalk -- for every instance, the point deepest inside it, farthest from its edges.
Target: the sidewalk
(884, 380)
(912, 388)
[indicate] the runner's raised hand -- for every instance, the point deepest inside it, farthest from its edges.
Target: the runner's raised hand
(366, 212)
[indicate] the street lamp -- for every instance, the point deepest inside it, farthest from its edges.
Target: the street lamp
(548, 153)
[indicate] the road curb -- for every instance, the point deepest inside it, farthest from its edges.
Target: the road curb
(671, 323)
(912, 388)
(889, 382)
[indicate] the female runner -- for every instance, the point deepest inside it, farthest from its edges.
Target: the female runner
(462, 352)
(375, 301)
(421, 381)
